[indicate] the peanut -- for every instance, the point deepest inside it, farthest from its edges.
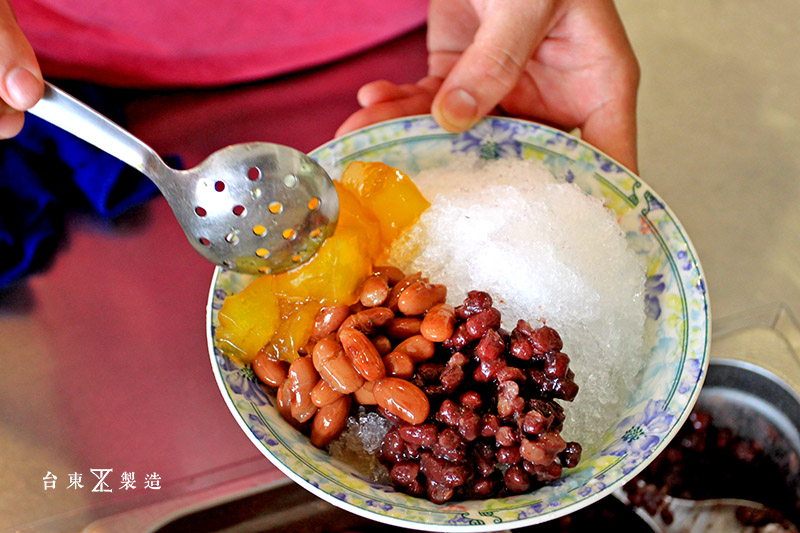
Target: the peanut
(402, 399)
(418, 348)
(323, 394)
(368, 321)
(301, 379)
(335, 368)
(399, 287)
(420, 296)
(403, 327)
(374, 291)
(328, 320)
(439, 323)
(365, 395)
(392, 274)
(363, 354)
(268, 370)
(382, 344)
(398, 365)
(330, 421)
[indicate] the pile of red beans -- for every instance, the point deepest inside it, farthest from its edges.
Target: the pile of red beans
(474, 406)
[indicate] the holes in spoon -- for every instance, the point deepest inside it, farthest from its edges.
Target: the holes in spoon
(264, 270)
(231, 238)
(204, 241)
(263, 253)
(254, 173)
(315, 233)
(219, 186)
(199, 211)
(259, 230)
(275, 207)
(239, 210)
(289, 234)
(290, 181)
(313, 204)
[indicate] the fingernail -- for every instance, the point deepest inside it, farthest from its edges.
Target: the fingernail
(23, 87)
(459, 110)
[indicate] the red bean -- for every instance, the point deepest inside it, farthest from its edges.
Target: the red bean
(420, 434)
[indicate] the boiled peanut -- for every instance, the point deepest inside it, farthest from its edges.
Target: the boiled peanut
(369, 320)
(330, 421)
(335, 368)
(365, 395)
(392, 274)
(400, 286)
(328, 320)
(403, 327)
(283, 397)
(268, 370)
(439, 323)
(398, 365)
(323, 394)
(301, 378)
(420, 296)
(402, 399)
(374, 291)
(382, 344)
(418, 348)
(362, 353)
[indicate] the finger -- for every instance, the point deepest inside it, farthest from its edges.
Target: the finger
(11, 122)
(490, 67)
(380, 91)
(414, 104)
(21, 84)
(612, 129)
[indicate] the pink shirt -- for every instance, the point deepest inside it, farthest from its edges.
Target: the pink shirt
(151, 43)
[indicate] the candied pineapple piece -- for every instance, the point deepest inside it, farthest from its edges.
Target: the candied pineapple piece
(294, 330)
(248, 320)
(354, 216)
(334, 274)
(388, 193)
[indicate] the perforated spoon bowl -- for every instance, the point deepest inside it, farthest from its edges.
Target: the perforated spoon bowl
(253, 207)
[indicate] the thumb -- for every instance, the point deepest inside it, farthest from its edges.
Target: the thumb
(21, 84)
(492, 64)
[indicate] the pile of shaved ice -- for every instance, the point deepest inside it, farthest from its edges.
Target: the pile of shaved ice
(547, 253)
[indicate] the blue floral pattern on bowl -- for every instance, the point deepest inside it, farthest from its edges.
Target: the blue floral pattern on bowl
(676, 339)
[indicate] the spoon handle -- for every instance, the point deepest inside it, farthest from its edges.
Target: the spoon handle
(64, 111)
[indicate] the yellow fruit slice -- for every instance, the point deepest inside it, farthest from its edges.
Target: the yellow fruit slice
(388, 193)
(248, 320)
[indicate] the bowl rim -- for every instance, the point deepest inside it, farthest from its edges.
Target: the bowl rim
(536, 519)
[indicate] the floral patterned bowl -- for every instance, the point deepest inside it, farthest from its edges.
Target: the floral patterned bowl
(675, 350)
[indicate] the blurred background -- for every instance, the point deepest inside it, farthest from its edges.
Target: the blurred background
(104, 355)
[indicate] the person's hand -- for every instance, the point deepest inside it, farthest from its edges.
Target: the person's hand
(21, 83)
(564, 62)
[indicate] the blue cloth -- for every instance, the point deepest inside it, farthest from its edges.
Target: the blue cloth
(46, 173)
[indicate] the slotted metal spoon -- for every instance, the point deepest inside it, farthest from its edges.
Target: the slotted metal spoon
(254, 207)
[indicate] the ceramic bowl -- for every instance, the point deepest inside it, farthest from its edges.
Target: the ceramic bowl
(675, 348)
